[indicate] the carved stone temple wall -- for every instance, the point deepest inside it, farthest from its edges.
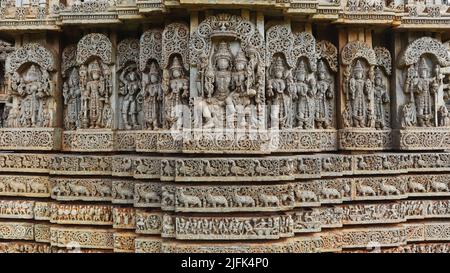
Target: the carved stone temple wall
(224, 126)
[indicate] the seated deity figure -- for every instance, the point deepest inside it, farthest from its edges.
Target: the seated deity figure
(32, 89)
(280, 94)
(152, 97)
(325, 92)
(130, 89)
(72, 100)
(305, 92)
(425, 88)
(94, 95)
(178, 90)
(360, 96)
(381, 99)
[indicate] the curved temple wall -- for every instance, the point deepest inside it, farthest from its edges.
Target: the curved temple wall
(259, 126)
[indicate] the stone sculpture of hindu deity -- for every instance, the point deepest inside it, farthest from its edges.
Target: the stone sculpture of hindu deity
(305, 95)
(72, 100)
(324, 93)
(280, 94)
(176, 95)
(359, 93)
(129, 90)
(381, 100)
(152, 97)
(32, 89)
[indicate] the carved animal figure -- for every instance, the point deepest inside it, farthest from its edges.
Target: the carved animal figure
(288, 198)
(103, 189)
(189, 200)
(38, 187)
(439, 186)
(78, 189)
(17, 186)
(167, 197)
(268, 200)
(416, 187)
(215, 200)
(236, 170)
(123, 191)
(330, 193)
(149, 196)
(307, 196)
(365, 190)
(243, 200)
(389, 189)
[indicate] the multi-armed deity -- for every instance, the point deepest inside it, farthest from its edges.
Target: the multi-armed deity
(95, 95)
(381, 100)
(324, 94)
(32, 89)
(72, 100)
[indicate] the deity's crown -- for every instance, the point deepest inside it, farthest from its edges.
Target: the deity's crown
(175, 63)
(240, 57)
(321, 67)
(378, 73)
(223, 52)
(33, 73)
(301, 67)
(94, 66)
(74, 75)
(423, 64)
(358, 67)
(153, 69)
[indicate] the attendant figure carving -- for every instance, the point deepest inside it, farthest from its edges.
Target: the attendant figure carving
(152, 96)
(129, 90)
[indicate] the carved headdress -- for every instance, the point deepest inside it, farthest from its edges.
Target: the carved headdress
(301, 69)
(378, 74)
(423, 64)
(33, 74)
(153, 69)
(175, 63)
(240, 57)
(358, 67)
(223, 52)
(321, 67)
(94, 66)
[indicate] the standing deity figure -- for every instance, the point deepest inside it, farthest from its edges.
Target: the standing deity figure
(325, 92)
(280, 95)
(177, 91)
(33, 88)
(381, 99)
(305, 92)
(360, 95)
(72, 100)
(425, 88)
(241, 96)
(129, 90)
(152, 98)
(94, 95)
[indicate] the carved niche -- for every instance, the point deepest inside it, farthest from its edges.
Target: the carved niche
(152, 97)
(365, 99)
(71, 88)
(30, 87)
(94, 58)
(423, 84)
(300, 81)
(130, 88)
(175, 81)
(227, 53)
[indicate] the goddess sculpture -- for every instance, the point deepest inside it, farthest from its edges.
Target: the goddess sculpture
(177, 91)
(72, 99)
(305, 92)
(131, 86)
(381, 97)
(325, 92)
(152, 97)
(280, 95)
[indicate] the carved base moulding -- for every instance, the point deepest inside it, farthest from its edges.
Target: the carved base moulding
(424, 138)
(364, 139)
(235, 141)
(38, 139)
(100, 140)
